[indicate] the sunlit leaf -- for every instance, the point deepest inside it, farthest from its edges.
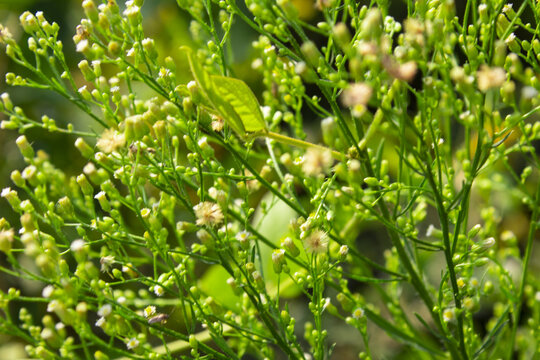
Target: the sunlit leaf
(241, 98)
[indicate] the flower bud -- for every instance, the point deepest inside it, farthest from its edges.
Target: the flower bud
(25, 147)
(29, 22)
(483, 245)
(6, 100)
(205, 147)
(288, 244)
(87, 71)
(474, 231)
(17, 178)
(343, 252)
(342, 36)
(90, 10)
(278, 260)
(372, 24)
(12, 198)
(101, 197)
(85, 185)
(6, 239)
(65, 208)
(84, 148)
(311, 53)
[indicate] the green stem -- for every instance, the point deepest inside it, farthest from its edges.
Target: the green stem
(300, 143)
(527, 257)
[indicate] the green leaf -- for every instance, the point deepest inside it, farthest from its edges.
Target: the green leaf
(214, 283)
(273, 225)
(206, 87)
(231, 98)
(241, 98)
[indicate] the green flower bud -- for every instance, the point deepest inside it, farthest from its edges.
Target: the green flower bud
(65, 208)
(101, 197)
(87, 71)
(474, 231)
(343, 252)
(12, 198)
(311, 53)
(114, 48)
(90, 10)
(84, 148)
(25, 147)
(6, 100)
(98, 355)
(288, 244)
(278, 260)
(205, 147)
(29, 22)
(85, 185)
(17, 178)
(6, 239)
(342, 36)
(372, 24)
(371, 181)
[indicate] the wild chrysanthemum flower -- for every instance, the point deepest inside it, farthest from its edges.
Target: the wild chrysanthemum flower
(358, 313)
(490, 77)
(316, 242)
(77, 245)
(317, 162)
(158, 290)
(449, 315)
(149, 311)
(132, 343)
(356, 94)
(208, 213)
(106, 263)
(105, 310)
(243, 237)
(110, 141)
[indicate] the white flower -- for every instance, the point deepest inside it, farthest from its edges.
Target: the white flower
(105, 310)
(111, 140)
(47, 291)
(149, 311)
(100, 322)
(358, 313)
(356, 94)
(243, 236)
(449, 315)
(106, 263)
(208, 213)
(316, 242)
(53, 305)
(77, 245)
(326, 303)
(132, 343)
(317, 162)
(82, 45)
(158, 290)
(490, 77)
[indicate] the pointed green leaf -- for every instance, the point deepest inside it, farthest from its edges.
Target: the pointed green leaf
(207, 88)
(200, 76)
(236, 93)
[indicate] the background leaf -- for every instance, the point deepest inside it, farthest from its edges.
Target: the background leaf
(243, 101)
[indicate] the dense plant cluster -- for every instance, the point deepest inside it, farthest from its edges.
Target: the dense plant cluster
(208, 224)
